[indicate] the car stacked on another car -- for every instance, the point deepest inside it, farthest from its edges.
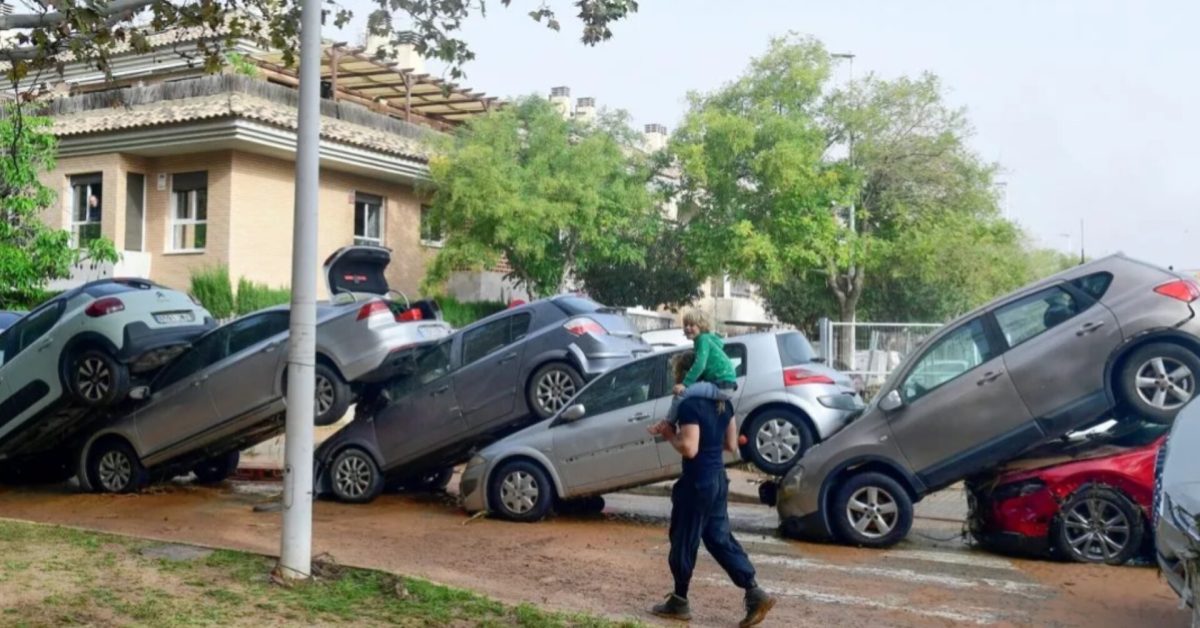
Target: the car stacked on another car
(80, 350)
(785, 402)
(227, 391)
(1051, 358)
(487, 380)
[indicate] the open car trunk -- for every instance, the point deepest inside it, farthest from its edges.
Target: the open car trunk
(360, 270)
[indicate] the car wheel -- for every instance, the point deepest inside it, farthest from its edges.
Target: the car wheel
(434, 481)
(113, 467)
(871, 510)
(96, 379)
(355, 477)
(521, 491)
(1157, 380)
(776, 439)
(216, 470)
(551, 387)
(332, 396)
(1098, 525)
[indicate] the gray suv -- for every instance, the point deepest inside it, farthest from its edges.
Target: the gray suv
(1112, 334)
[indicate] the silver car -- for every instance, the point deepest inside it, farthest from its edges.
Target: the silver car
(599, 443)
(1177, 509)
(227, 392)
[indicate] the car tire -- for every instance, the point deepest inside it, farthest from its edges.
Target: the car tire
(871, 510)
(113, 467)
(433, 481)
(1098, 525)
(1157, 380)
(217, 469)
(551, 387)
(332, 396)
(776, 440)
(96, 379)
(354, 477)
(521, 491)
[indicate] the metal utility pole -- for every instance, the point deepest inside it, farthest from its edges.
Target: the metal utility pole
(852, 330)
(295, 554)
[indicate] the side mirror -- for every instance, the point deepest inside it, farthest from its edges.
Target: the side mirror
(574, 413)
(891, 401)
(139, 393)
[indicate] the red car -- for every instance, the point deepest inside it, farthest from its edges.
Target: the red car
(1087, 500)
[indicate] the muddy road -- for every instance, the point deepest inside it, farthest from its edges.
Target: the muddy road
(614, 564)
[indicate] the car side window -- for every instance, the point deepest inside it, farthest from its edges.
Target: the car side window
(494, 336)
(255, 329)
(1030, 316)
(737, 355)
(206, 351)
(520, 327)
(431, 364)
(1094, 285)
(27, 331)
(628, 385)
(951, 356)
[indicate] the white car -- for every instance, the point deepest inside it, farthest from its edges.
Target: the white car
(78, 351)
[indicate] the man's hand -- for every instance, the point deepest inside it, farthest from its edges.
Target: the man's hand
(678, 390)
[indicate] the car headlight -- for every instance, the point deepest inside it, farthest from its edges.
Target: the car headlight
(1018, 489)
(476, 461)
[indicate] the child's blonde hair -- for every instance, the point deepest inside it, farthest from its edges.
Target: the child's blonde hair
(697, 319)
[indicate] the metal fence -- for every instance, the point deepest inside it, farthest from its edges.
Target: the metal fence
(878, 348)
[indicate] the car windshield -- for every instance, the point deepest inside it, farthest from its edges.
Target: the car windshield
(794, 349)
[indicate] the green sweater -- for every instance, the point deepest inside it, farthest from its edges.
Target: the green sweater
(711, 365)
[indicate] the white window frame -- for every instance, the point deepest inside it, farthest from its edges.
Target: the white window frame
(90, 188)
(438, 243)
(192, 221)
(363, 202)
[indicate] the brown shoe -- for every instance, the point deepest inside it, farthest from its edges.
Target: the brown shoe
(758, 604)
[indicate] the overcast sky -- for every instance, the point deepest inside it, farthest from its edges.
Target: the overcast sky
(1091, 107)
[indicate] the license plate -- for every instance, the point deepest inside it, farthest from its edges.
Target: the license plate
(173, 318)
(431, 331)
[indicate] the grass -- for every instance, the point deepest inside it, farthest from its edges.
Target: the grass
(253, 296)
(212, 289)
(53, 576)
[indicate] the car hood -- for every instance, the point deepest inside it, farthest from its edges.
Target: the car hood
(358, 269)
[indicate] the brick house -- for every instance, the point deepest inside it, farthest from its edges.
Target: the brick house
(183, 170)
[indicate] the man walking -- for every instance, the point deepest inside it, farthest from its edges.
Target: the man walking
(700, 507)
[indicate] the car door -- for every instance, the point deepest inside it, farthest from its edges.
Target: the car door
(961, 411)
(423, 411)
(1059, 342)
(672, 462)
(180, 404)
(610, 446)
(246, 377)
(489, 379)
(29, 366)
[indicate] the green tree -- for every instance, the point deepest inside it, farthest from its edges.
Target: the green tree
(664, 277)
(32, 254)
(554, 197)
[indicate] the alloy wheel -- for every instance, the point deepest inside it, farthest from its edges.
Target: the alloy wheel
(1165, 383)
(324, 395)
(872, 511)
(94, 379)
(353, 476)
(519, 492)
(554, 390)
(1096, 529)
(778, 441)
(115, 471)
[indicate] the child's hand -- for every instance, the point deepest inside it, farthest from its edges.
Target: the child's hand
(657, 428)
(679, 388)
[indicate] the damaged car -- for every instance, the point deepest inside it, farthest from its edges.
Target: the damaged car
(227, 392)
(1113, 335)
(1085, 499)
(488, 380)
(1177, 509)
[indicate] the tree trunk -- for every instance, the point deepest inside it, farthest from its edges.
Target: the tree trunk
(847, 290)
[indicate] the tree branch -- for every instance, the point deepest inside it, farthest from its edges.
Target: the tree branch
(40, 20)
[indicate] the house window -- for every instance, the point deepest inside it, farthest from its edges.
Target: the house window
(189, 216)
(431, 228)
(368, 219)
(86, 211)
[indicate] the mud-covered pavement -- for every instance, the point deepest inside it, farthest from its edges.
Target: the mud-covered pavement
(615, 564)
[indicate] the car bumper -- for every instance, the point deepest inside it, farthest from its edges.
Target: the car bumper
(798, 508)
(598, 357)
(471, 488)
(145, 348)
(384, 359)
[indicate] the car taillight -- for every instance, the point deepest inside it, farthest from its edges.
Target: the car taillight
(411, 314)
(1184, 290)
(104, 307)
(798, 377)
(373, 308)
(584, 325)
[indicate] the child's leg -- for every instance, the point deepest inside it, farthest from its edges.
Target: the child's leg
(704, 390)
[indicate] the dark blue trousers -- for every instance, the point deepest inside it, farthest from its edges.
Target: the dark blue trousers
(700, 512)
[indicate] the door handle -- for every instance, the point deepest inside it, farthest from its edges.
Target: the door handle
(269, 348)
(441, 391)
(641, 416)
(508, 358)
(45, 344)
(990, 376)
(1088, 328)
(200, 380)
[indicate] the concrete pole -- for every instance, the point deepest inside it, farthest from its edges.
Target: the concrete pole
(295, 555)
